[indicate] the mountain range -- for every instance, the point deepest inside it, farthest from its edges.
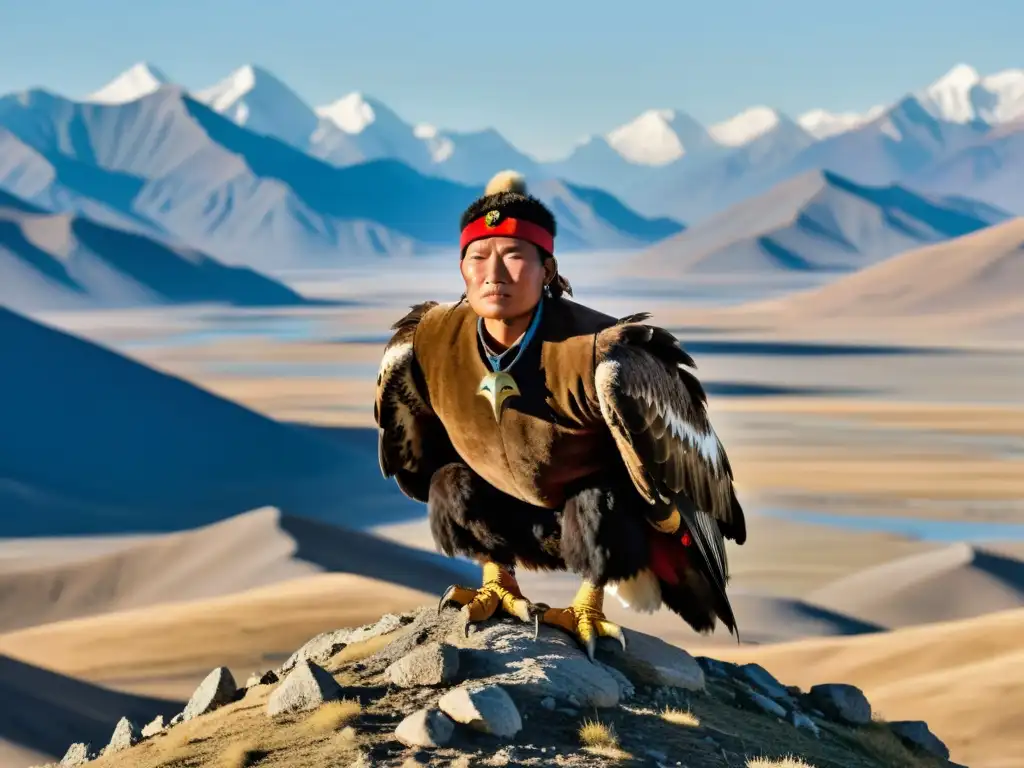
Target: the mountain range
(68, 261)
(169, 166)
(247, 172)
(664, 162)
(815, 222)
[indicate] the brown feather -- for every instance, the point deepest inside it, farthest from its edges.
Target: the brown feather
(656, 411)
(412, 443)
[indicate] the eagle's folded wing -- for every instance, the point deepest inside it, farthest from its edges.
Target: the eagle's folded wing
(656, 411)
(412, 443)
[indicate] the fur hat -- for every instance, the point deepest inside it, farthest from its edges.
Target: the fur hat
(506, 209)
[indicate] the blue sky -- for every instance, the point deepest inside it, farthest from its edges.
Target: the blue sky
(543, 73)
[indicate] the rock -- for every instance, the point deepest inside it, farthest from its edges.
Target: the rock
(843, 702)
(305, 688)
(77, 754)
(425, 728)
(432, 664)
(267, 678)
(125, 735)
(763, 681)
(154, 727)
(716, 668)
(177, 719)
(553, 665)
(216, 690)
(322, 647)
(548, 703)
(650, 660)
(750, 699)
(917, 734)
(486, 708)
(800, 720)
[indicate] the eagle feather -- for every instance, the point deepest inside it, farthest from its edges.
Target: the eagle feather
(656, 411)
(412, 443)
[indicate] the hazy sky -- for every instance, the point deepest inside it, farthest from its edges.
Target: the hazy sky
(543, 73)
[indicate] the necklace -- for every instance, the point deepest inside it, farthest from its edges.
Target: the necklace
(498, 385)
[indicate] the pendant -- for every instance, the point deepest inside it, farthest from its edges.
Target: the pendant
(497, 387)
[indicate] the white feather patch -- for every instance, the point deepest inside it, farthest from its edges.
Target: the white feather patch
(394, 356)
(607, 378)
(642, 593)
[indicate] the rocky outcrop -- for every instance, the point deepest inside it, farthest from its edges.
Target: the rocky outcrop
(437, 687)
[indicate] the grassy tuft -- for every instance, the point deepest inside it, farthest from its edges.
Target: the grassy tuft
(333, 715)
(601, 739)
(785, 762)
(679, 717)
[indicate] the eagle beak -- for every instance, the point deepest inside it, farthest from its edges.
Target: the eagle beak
(497, 387)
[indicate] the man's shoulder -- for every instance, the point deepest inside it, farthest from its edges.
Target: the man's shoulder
(579, 319)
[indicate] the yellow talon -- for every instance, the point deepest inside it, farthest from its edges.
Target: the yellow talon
(499, 589)
(585, 619)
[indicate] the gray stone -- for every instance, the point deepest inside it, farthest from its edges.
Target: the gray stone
(305, 688)
(425, 728)
(125, 735)
(486, 708)
(800, 720)
(842, 702)
(322, 647)
(918, 734)
(716, 668)
(763, 681)
(215, 691)
(153, 727)
(548, 703)
(553, 665)
(177, 719)
(77, 754)
(650, 660)
(750, 699)
(432, 664)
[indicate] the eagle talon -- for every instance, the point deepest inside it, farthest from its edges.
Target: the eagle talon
(586, 625)
(499, 591)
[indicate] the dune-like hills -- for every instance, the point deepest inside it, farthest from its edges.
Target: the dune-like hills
(245, 552)
(41, 712)
(972, 279)
(957, 582)
(97, 442)
(965, 678)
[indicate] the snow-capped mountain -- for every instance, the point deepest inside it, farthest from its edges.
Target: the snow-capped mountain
(248, 198)
(254, 98)
(370, 127)
(748, 125)
(139, 80)
(821, 123)
(962, 95)
(658, 137)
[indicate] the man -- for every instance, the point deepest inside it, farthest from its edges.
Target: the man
(546, 435)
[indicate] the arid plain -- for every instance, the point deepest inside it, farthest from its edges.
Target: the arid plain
(875, 426)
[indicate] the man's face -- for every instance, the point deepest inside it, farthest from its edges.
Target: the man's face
(504, 276)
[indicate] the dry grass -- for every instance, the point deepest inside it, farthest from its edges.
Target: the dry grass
(679, 717)
(600, 739)
(786, 762)
(241, 754)
(333, 715)
(879, 742)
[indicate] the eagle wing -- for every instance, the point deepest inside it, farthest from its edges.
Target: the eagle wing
(412, 442)
(656, 411)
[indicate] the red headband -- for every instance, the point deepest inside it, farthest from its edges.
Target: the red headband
(492, 225)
